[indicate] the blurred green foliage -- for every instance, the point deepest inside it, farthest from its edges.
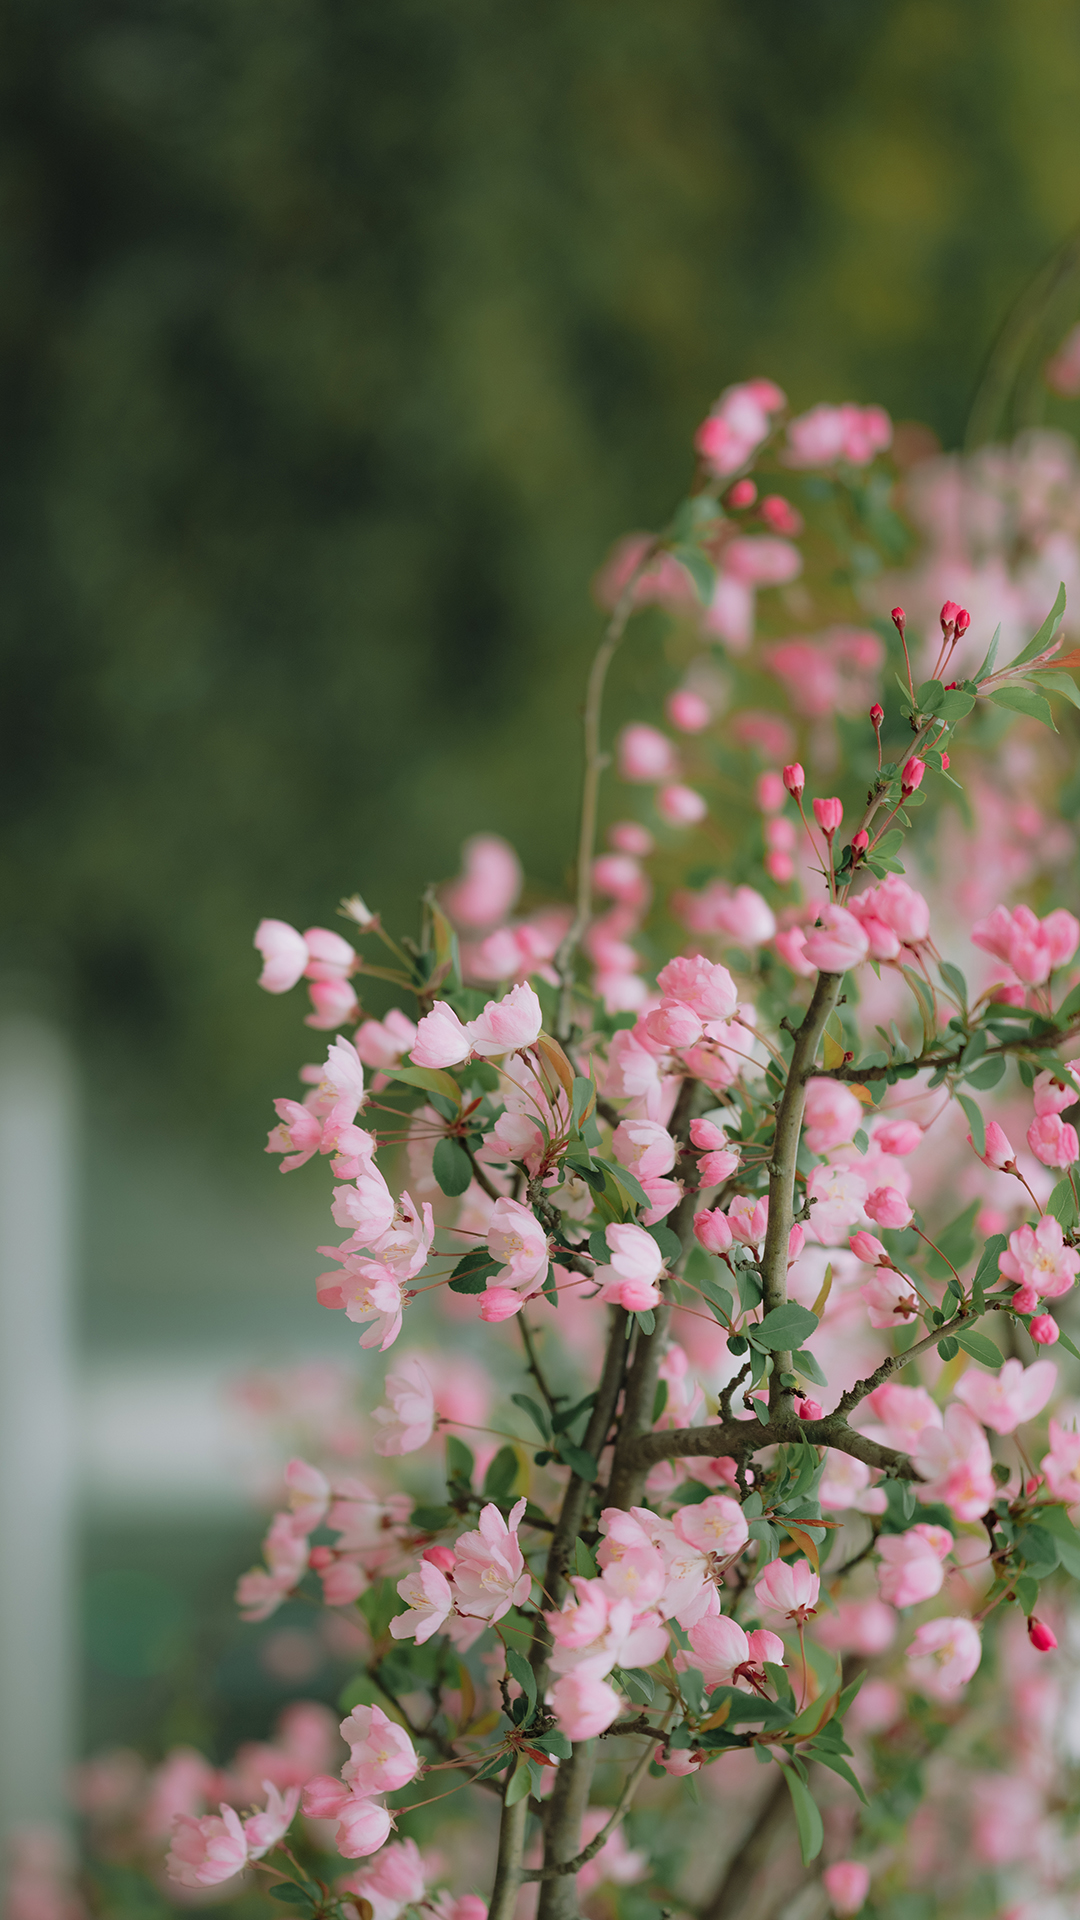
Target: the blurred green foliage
(337, 343)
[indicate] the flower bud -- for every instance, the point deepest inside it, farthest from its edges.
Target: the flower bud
(440, 1557)
(794, 779)
(828, 814)
(860, 841)
(877, 715)
(948, 616)
(1043, 1329)
(912, 774)
(769, 792)
(681, 806)
(963, 621)
(944, 763)
(742, 494)
(897, 618)
(713, 1231)
(687, 710)
(810, 1410)
(1042, 1637)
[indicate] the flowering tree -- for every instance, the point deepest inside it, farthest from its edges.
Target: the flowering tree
(767, 1387)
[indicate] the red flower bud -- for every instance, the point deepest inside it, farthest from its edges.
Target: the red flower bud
(828, 814)
(898, 620)
(912, 774)
(742, 494)
(944, 763)
(1042, 1637)
(877, 715)
(794, 778)
(811, 1410)
(948, 615)
(963, 621)
(861, 841)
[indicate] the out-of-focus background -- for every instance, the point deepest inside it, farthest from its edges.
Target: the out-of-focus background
(337, 344)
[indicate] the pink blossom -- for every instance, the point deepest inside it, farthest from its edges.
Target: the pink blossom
(887, 1207)
(368, 1290)
(620, 877)
(687, 710)
(846, 1481)
(427, 1592)
(1061, 1466)
(260, 1592)
(408, 1421)
(500, 1303)
(838, 1192)
(363, 1827)
(1044, 1329)
(397, 1881)
(703, 985)
(516, 1238)
(713, 1230)
(810, 1409)
(790, 944)
(284, 953)
(381, 1043)
(441, 1040)
(761, 560)
(1052, 1095)
(1038, 1258)
(489, 884)
(333, 1003)
(382, 1758)
(737, 425)
(1004, 1400)
(646, 755)
(867, 1248)
(727, 1656)
(867, 1627)
(787, 1592)
(681, 806)
(912, 1571)
(779, 515)
(627, 836)
(263, 1830)
(298, 1136)
(583, 1706)
(890, 1298)
(636, 1265)
(743, 915)
(367, 1206)
(343, 1577)
(707, 1134)
(998, 1150)
(679, 1761)
(714, 1526)
(837, 942)
(748, 1218)
(330, 956)
(673, 1025)
(662, 1195)
(847, 1883)
(207, 1852)
(896, 907)
(1032, 948)
(828, 814)
(769, 791)
(490, 1575)
(955, 1464)
(847, 432)
(904, 1412)
(506, 1024)
(833, 1114)
(713, 1168)
(898, 1137)
(1053, 1141)
(943, 1655)
(309, 1495)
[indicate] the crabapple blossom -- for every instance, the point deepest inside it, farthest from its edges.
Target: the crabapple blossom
(728, 1656)
(506, 1024)
(837, 942)
(645, 755)
(839, 1192)
(441, 1040)
(865, 1627)
(516, 1238)
(427, 1593)
(943, 1656)
(713, 1230)
(832, 1114)
(826, 434)
(904, 1413)
(381, 1755)
(898, 1137)
(681, 806)
(998, 1150)
(397, 1881)
(1004, 1400)
(1053, 1141)
(703, 985)
(409, 1420)
(748, 1219)
(1061, 1466)
(787, 1592)
(716, 1526)
(1044, 1330)
(635, 1266)
(847, 1883)
(1038, 1259)
(912, 1568)
(381, 1043)
(954, 1461)
(207, 1852)
(869, 1249)
(828, 814)
(1042, 1637)
(490, 1575)
(488, 885)
(687, 710)
(263, 1830)
(363, 1827)
(1033, 948)
(888, 1208)
(584, 1706)
(810, 1410)
(284, 952)
(737, 425)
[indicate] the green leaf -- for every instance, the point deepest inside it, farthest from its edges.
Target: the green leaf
(1062, 683)
(430, 1519)
(828, 1758)
(807, 1818)
(598, 1247)
(948, 1348)
(584, 1097)
(553, 1742)
(472, 1271)
(990, 656)
(451, 1166)
(1027, 1593)
(459, 1460)
(1055, 1521)
(928, 695)
(975, 1122)
(292, 1896)
(987, 1074)
(749, 1286)
(646, 1319)
(1062, 1204)
(1024, 700)
(1041, 640)
(519, 1669)
(432, 1079)
(784, 1327)
(629, 1182)
(953, 705)
(980, 1348)
(501, 1474)
(890, 843)
(584, 1560)
(536, 1414)
(954, 980)
(701, 571)
(761, 1411)
(519, 1784)
(804, 1363)
(579, 1461)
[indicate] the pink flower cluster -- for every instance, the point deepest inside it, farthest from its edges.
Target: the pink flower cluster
(382, 1758)
(487, 1576)
(370, 1532)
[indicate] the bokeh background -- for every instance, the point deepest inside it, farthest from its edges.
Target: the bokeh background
(337, 343)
